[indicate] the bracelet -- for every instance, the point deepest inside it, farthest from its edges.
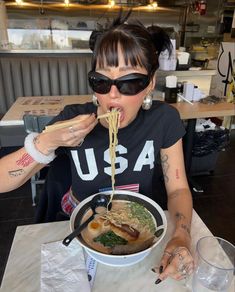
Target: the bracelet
(34, 153)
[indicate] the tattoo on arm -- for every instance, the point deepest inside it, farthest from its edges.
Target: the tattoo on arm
(25, 160)
(165, 166)
(17, 172)
(180, 216)
(177, 173)
(185, 227)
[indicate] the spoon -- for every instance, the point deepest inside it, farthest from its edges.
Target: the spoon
(100, 200)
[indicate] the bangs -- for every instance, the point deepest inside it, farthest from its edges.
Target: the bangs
(110, 46)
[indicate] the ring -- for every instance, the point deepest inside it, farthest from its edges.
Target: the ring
(167, 253)
(80, 143)
(183, 272)
(71, 130)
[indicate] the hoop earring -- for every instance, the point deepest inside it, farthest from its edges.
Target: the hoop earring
(148, 101)
(95, 100)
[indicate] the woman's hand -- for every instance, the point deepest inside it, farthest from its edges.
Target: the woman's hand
(70, 136)
(177, 261)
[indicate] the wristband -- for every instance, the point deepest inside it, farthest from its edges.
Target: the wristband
(34, 153)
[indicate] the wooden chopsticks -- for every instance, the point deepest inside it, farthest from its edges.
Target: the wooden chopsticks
(60, 126)
(68, 124)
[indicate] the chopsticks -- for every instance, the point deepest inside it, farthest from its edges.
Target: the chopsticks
(68, 124)
(60, 126)
(103, 116)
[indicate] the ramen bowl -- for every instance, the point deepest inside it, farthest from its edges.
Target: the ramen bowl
(119, 260)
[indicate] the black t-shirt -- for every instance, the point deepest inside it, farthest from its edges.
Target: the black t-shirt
(137, 151)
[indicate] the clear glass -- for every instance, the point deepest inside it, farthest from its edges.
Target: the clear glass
(214, 265)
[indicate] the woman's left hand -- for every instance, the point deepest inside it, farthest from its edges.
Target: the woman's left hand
(177, 261)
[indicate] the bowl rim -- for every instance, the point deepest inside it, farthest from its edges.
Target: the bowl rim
(129, 193)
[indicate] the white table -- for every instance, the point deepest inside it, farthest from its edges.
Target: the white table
(23, 268)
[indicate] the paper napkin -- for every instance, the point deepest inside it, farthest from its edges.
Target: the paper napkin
(63, 268)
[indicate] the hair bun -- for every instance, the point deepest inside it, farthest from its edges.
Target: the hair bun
(160, 39)
(119, 20)
(95, 35)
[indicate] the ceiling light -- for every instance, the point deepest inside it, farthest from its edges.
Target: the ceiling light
(111, 3)
(19, 2)
(66, 3)
(152, 5)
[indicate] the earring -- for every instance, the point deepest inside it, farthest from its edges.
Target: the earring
(95, 100)
(147, 102)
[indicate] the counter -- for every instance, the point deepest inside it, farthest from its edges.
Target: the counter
(200, 78)
(56, 72)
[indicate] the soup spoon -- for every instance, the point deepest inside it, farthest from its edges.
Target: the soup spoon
(99, 200)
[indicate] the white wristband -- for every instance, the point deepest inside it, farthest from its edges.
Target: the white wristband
(34, 153)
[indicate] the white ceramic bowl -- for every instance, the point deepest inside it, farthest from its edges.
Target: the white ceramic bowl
(121, 260)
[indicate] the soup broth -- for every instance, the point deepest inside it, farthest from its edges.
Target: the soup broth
(127, 228)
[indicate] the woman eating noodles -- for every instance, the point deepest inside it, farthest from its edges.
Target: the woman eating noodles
(122, 77)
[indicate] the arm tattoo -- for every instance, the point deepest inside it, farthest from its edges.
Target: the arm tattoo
(165, 167)
(25, 160)
(36, 140)
(17, 172)
(180, 216)
(177, 173)
(185, 227)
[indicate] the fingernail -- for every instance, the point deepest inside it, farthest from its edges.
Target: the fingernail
(160, 269)
(153, 270)
(158, 281)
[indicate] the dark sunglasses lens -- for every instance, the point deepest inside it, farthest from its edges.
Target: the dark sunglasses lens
(132, 86)
(99, 84)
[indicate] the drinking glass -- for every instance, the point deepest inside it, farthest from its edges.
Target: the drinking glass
(214, 265)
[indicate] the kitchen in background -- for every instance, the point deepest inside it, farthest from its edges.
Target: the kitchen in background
(197, 25)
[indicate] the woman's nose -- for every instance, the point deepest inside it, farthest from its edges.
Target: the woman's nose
(114, 92)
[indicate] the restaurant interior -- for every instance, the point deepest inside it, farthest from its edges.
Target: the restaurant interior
(36, 35)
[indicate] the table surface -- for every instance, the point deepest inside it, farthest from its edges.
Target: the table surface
(23, 267)
(52, 105)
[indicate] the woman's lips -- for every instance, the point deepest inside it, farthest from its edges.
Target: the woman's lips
(120, 110)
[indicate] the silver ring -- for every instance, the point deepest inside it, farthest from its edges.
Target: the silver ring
(183, 273)
(167, 253)
(80, 143)
(182, 269)
(71, 130)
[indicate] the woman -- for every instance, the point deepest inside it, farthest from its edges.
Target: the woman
(124, 63)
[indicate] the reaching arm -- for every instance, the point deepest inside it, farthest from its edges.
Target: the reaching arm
(177, 261)
(179, 195)
(16, 168)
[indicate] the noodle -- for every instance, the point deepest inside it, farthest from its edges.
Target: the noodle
(113, 121)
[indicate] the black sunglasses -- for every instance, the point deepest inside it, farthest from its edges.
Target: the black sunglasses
(130, 84)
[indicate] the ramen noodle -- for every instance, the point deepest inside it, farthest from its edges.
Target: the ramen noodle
(127, 228)
(112, 119)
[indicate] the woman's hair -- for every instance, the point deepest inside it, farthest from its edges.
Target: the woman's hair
(139, 45)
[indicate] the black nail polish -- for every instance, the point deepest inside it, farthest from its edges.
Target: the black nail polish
(158, 281)
(160, 269)
(153, 270)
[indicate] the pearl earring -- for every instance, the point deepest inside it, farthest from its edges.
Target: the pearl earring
(95, 100)
(147, 102)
